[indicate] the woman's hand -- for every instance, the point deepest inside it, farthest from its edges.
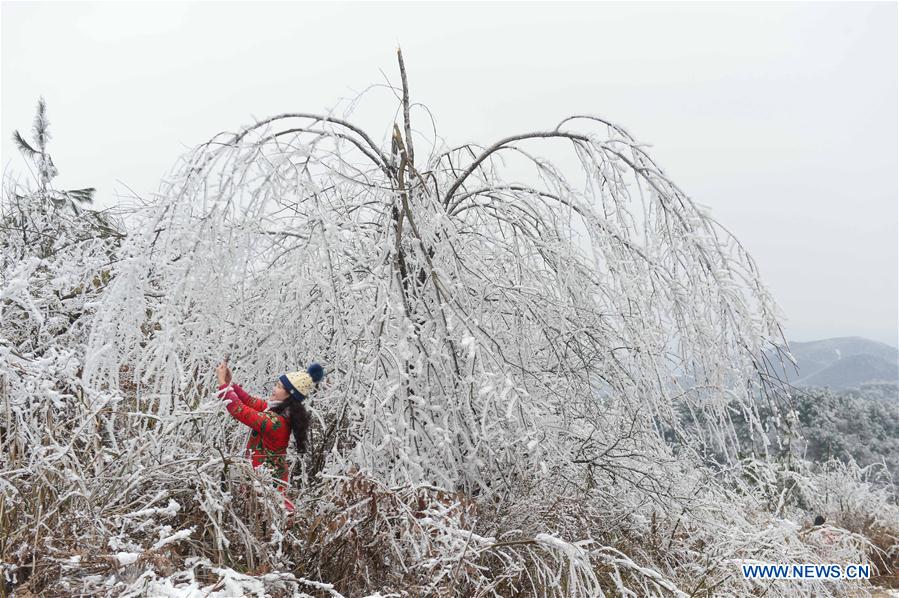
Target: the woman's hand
(223, 373)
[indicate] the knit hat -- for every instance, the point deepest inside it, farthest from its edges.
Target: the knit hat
(300, 384)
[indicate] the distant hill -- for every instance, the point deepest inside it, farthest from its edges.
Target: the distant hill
(842, 363)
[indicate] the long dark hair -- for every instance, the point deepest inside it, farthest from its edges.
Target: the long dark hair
(298, 416)
(296, 412)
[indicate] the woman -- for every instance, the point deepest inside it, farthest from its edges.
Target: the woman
(272, 421)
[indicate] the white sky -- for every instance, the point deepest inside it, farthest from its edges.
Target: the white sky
(781, 117)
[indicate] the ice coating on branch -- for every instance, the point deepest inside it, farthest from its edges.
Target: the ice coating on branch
(127, 558)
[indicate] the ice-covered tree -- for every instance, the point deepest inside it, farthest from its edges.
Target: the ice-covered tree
(484, 309)
(496, 322)
(43, 162)
(55, 261)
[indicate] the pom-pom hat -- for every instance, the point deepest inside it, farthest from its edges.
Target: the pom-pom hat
(300, 384)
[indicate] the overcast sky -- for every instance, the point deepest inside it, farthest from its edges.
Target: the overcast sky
(781, 117)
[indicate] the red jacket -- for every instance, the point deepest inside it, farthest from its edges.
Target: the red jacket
(271, 432)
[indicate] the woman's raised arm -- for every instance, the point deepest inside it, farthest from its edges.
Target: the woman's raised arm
(249, 400)
(261, 421)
